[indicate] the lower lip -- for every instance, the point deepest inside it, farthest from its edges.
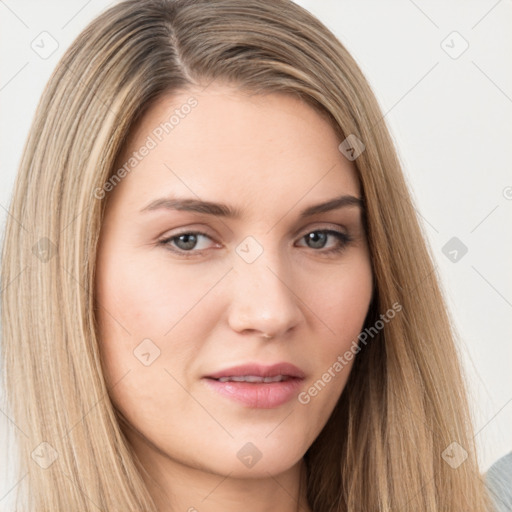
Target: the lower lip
(264, 395)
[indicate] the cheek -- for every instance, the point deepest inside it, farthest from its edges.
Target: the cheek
(138, 296)
(342, 297)
(342, 300)
(141, 308)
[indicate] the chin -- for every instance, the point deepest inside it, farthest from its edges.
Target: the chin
(257, 457)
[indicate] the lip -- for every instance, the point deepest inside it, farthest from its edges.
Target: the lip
(258, 395)
(260, 370)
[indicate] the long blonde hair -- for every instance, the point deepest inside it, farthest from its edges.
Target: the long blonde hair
(404, 403)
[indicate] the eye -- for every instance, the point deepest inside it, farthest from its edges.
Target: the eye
(190, 241)
(319, 239)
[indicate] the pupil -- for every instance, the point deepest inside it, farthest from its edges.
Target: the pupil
(317, 239)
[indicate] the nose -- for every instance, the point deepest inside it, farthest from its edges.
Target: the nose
(263, 298)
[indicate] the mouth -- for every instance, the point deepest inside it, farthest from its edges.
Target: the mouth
(255, 379)
(259, 371)
(257, 386)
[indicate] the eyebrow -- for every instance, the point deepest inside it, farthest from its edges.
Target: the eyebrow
(223, 210)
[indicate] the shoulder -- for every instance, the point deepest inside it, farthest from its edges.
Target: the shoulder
(499, 482)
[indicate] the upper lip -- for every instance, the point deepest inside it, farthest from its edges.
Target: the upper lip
(259, 370)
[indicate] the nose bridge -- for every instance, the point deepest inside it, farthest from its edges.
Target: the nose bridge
(262, 296)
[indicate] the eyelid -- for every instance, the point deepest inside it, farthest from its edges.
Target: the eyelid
(185, 231)
(323, 226)
(188, 232)
(326, 225)
(191, 230)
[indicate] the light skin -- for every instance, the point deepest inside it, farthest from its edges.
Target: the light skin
(270, 157)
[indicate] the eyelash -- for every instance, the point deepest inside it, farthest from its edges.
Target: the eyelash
(343, 241)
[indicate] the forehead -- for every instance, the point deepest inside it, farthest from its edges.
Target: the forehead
(247, 149)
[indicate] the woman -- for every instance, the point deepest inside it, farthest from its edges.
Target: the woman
(223, 295)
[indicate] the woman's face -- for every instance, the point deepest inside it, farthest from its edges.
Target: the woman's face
(214, 237)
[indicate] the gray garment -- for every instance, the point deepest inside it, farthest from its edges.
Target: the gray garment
(499, 482)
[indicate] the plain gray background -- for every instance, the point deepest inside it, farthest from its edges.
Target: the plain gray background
(441, 72)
